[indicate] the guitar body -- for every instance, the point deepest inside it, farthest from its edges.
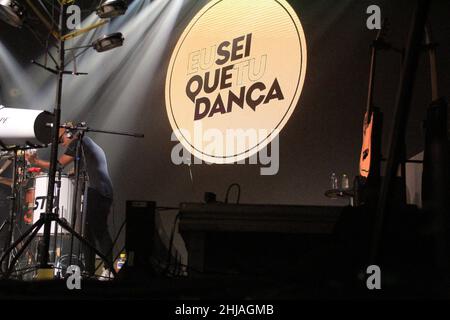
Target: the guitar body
(370, 157)
(368, 181)
(366, 149)
(369, 162)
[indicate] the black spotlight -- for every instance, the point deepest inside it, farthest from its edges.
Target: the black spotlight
(112, 8)
(12, 12)
(108, 42)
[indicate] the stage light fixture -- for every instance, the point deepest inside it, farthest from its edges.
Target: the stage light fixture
(112, 8)
(23, 127)
(12, 12)
(108, 42)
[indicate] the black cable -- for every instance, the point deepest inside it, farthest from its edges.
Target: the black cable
(229, 189)
(123, 248)
(76, 56)
(204, 272)
(117, 235)
(114, 215)
(172, 236)
(167, 208)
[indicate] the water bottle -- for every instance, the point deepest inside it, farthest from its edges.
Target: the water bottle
(121, 261)
(345, 184)
(333, 181)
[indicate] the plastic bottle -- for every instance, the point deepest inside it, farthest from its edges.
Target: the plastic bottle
(333, 181)
(345, 184)
(121, 261)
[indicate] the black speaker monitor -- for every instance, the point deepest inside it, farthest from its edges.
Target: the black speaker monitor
(140, 232)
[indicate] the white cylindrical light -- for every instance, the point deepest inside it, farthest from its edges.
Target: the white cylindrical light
(21, 127)
(112, 8)
(108, 42)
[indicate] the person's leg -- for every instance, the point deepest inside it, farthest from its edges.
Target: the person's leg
(104, 238)
(99, 226)
(89, 234)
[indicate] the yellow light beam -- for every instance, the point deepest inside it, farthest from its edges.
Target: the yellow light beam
(55, 33)
(66, 2)
(76, 33)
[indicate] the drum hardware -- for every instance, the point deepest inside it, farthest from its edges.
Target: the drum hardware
(35, 198)
(65, 261)
(10, 222)
(35, 201)
(30, 195)
(57, 207)
(63, 221)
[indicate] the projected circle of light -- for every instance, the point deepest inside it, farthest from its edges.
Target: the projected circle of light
(235, 78)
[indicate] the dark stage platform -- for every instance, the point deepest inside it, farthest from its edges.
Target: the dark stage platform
(210, 288)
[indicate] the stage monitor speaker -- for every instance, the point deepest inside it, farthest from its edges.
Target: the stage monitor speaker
(139, 238)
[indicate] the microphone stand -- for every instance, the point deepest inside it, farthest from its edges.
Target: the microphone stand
(75, 194)
(82, 127)
(57, 209)
(81, 130)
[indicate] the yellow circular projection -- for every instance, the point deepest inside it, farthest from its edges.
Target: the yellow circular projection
(235, 77)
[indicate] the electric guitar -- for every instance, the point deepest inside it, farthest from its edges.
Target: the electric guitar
(369, 163)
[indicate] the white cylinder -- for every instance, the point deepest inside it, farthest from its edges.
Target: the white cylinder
(21, 127)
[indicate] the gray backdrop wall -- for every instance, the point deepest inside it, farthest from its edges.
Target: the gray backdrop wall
(125, 91)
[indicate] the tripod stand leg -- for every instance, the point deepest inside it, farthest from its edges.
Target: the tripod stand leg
(68, 228)
(6, 244)
(21, 250)
(3, 225)
(1, 229)
(12, 208)
(34, 227)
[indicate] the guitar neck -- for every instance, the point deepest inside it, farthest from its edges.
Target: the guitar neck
(373, 59)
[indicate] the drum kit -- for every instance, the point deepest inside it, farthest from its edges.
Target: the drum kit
(30, 202)
(22, 132)
(45, 242)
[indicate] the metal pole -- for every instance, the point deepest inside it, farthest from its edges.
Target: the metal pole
(397, 134)
(13, 208)
(55, 140)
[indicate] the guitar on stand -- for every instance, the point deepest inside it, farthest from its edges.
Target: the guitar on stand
(370, 158)
(356, 221)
